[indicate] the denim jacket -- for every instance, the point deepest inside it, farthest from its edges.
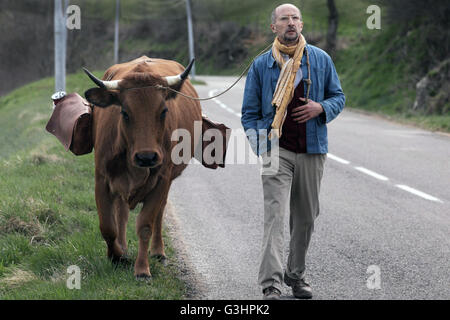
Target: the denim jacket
(257, 109)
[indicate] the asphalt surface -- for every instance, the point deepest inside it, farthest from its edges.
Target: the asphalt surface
(385, 206)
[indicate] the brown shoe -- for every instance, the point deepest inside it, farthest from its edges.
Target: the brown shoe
(271, 293)
(300, 289)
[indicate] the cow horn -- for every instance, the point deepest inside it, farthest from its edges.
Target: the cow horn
(110, 85)
(173, 80)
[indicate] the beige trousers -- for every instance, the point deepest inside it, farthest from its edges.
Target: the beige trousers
(298, 175)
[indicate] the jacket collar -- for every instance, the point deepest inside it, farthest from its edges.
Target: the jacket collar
(271, 63)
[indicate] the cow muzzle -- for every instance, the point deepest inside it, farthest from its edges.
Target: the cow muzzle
(147, 159)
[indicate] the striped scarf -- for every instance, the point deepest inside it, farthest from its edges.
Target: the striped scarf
(284, 92)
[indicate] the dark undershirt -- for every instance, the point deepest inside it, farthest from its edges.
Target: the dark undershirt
(293, 136)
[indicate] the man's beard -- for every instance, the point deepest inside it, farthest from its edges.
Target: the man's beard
(288, 38)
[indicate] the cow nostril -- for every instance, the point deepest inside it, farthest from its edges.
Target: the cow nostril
(146, 159)
(153, 157)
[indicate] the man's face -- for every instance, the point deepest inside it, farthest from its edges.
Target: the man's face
(288, 24)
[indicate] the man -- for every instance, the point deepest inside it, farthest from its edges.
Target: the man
(291, 91)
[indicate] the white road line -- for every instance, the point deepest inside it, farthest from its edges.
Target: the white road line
(371, 173)
(418, 193)
(336, 158)
(223, 105)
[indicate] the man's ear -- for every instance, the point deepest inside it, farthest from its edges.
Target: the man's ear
(272, 27)
(101, 97)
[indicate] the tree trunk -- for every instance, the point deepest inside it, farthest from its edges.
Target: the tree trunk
(332, 28)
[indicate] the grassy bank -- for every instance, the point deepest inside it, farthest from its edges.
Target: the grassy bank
(378, 75)
(48, 217)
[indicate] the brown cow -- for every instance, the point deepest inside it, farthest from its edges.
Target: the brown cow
(132, 126)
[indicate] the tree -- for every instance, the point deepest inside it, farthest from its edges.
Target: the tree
(332, 28)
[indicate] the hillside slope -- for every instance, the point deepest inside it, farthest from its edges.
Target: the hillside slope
(379, 69)
(380, 73)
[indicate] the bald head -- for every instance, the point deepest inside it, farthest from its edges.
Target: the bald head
(283, 7)
(287, 23)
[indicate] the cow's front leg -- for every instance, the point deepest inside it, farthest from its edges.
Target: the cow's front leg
(121, 213)
(107, 218)
(157, 244)
(144, 232)
(146, 223)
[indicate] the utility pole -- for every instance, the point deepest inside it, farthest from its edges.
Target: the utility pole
(190, 36)
(116, 33)
(64, 43)
(60, 44)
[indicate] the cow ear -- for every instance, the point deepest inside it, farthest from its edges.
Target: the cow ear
(101, 97)
(172, 94)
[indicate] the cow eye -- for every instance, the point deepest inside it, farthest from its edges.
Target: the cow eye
(125, 115)
(163, 113)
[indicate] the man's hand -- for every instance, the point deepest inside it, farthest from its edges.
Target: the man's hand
(308, 111)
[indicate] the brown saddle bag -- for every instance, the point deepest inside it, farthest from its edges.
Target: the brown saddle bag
(71, 123)
(212, 142)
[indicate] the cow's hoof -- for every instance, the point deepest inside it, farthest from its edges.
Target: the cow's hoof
(143, 277)
(121, 260)
(161, 258)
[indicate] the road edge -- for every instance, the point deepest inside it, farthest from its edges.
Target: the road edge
(187, 273)
(394, 120)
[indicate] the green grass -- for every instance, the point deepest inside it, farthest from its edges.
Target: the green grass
(48, 217)
(378, 77)
(198, 82)
(429, 122)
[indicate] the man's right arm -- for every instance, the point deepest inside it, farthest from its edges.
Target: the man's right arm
(251, 107)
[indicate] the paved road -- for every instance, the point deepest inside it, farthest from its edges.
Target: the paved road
(385, 206)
